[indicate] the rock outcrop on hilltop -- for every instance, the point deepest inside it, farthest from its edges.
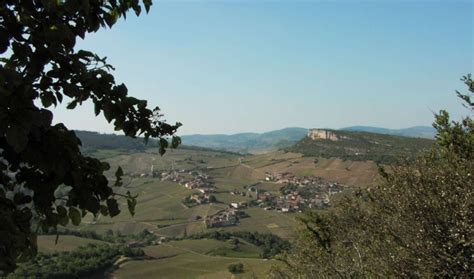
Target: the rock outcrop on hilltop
(359, 146)
(322, 134)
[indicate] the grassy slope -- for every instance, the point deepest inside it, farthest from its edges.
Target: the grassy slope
(47, 243)
(177, 259)
(353, 173)
(194, 259)
(190, 265)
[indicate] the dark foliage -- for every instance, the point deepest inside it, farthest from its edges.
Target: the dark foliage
(92, 141)
(236, 268)
(271, 244)
(40, 67)
(82, 262)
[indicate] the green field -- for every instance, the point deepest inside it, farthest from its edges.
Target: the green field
(47, 243)
(189, 264)
(160, 209)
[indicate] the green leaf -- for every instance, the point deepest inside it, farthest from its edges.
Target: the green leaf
(72, 105)
(175, 142)
(63, 217)
(59, 96)
(118, 176)
(131, 203)
(112, 205)
(47, 99)
(96, 108)
(138, 9)
(147, 4)
(75, 216)
(112, 17)
(163, 146)
(104, 210)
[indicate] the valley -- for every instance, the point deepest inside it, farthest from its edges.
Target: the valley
(201, 211)
(237, 182)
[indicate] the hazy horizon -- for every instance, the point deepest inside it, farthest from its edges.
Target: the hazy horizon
(225, 67)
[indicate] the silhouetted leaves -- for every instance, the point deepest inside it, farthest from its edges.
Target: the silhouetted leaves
(41, 67)
(113, 207)
(131, 203)
(75, 216)
(118, 176)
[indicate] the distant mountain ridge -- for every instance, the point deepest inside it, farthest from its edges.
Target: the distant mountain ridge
(248, 142)
(427, 132)
(268, 141)
(241, 142)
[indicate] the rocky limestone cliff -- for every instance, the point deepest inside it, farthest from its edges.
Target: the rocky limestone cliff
(321, 134)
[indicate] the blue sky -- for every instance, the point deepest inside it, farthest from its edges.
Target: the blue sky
(253, 66)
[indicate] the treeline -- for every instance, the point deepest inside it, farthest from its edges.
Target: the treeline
(92, 141)
(206, 149)
(270, 244)
(145, 237)
(82, 262)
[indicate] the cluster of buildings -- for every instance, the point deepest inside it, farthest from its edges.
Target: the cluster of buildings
(298, 193)
(238, 193)
(200, 198)
(199, 181)
(191, 180)
(223, 218)
(238, 205)
(173, 175)
(290, 178)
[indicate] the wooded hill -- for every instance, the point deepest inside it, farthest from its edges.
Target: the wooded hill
(362, 146)
(93, 141)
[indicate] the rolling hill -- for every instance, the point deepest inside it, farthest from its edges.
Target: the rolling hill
(270, 141)
(248, 142)
(415, 132)
(92, 141)
(360, 146)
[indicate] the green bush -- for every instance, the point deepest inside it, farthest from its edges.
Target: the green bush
(236, 268)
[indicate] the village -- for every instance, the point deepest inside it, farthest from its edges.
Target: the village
(298, 193)
(295, 195)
